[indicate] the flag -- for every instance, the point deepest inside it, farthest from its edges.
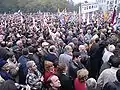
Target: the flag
(105, 15)
(58, 10)
(113, 16)
(88, 19)
(83, 17)
(79, 14)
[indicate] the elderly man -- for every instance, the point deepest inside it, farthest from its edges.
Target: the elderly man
(88, 36)
(33, 77)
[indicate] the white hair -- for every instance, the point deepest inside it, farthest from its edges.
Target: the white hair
(29, 64)
(111, 48)
(45, 44)
(91, 82)
(95, 37)
(19, 42)
(81, 47)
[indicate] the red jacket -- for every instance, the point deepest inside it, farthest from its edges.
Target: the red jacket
(47, 75)
(79, 85)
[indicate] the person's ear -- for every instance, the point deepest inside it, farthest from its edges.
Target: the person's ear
(51, 84)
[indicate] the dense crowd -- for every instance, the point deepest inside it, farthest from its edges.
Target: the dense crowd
(38, 52)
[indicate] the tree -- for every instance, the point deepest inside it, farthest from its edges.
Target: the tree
(35, 5)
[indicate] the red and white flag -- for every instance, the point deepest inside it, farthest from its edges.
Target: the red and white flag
(113, 20)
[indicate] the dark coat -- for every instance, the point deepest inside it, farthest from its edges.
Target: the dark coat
(104, 66)
(66, 82)
(51, 57)
(96, 53)
(112, 86)
(5, 75)
(22, 69)
(74, 67)
(8, 85)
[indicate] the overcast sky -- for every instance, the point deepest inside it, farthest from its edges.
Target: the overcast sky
(77, 1)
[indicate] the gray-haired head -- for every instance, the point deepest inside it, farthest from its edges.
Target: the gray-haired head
(91, 83)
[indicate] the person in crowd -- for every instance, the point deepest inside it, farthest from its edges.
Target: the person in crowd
(75, 65)
(113, 85)
(13, 66)
(4, 70)
(91, 84)
(33, 56)
(34, 77)
(18, 49)
(84, 55)
(106, 65)
(81, 38)
(66, 58)
(65, 79)
(23, 68)
(109, 75)
(108, 52)
(35, 36)
(96, 54)
(88, 36)
(80, 81)
(45, 46)
(53, 83)
(52, 54)
(76, 44)
(49, 70)
(8, 85)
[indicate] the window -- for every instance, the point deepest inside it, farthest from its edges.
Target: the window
(89, 7)
(92, 7)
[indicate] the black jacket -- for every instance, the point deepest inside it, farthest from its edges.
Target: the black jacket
(112, 86)
(74, 67)
(66, 82)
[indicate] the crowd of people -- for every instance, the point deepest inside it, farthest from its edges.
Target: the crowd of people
(38, 52)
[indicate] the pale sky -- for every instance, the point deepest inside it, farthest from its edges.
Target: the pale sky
(77, 1)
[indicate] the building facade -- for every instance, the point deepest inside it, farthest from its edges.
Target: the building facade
(106, 5)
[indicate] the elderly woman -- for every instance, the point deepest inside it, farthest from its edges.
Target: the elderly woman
(80, 81)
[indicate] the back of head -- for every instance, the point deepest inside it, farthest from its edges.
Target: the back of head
(31, 49)
(52, 48)
(76, 54)
(25, 51)
(82, 75)
(115, 61)
(68, 48)
(91, 83)
(61, 68)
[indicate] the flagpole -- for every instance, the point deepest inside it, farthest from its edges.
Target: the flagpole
(79, 15)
